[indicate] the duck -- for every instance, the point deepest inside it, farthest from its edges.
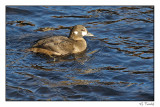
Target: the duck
(62, 45)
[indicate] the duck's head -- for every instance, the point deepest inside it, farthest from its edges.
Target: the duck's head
(78, 31)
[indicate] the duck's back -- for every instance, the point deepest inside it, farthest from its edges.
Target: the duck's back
(57, 45)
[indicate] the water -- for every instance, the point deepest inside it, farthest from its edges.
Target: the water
(117, 65)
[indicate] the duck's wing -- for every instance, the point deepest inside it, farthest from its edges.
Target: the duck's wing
(58, 44)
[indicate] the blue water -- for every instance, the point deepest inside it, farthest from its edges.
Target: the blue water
(118, 64)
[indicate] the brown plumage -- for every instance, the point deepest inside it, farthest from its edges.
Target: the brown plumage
(61, 45)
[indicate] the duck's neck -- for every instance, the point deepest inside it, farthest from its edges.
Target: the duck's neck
(79, 45)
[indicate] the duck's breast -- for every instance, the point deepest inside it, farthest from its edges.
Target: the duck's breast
(79, 46)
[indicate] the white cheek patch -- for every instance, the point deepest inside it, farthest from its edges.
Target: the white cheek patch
(75, 32)
(84, 33)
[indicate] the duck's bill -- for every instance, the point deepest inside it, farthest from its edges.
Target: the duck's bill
(89, 34)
